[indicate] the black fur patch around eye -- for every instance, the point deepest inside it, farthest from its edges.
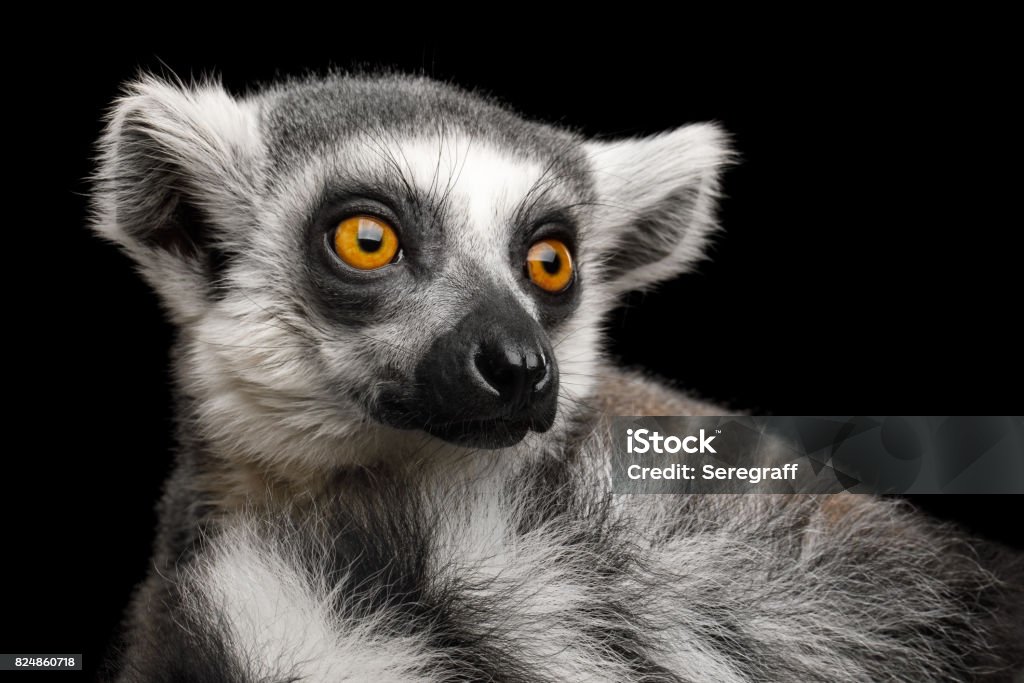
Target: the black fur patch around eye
(557, 308)
(345, 295)
(554, 307)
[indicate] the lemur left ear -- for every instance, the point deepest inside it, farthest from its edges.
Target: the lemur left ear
(656, 202)
(176, 172)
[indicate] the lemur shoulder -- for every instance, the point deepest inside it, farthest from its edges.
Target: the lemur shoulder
(393, 413)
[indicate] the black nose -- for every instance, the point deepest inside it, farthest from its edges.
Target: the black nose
(486, 382)
(517, 369)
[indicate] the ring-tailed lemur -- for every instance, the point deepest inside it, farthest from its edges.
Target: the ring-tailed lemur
(393, 415)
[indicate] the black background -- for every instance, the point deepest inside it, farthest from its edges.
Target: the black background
(864, 268)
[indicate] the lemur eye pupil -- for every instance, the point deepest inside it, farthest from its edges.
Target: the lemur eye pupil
(552, 266)
(549, 265)
(370, 237)
(366, 242)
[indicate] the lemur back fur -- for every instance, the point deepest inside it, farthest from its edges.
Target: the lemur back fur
(315, 528)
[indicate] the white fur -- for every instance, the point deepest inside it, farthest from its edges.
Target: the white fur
(484, 185)
(283, 623)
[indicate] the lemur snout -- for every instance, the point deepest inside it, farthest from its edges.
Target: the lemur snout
(489, 380)
(514, 367)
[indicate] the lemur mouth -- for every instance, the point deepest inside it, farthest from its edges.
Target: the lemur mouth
(488, 433)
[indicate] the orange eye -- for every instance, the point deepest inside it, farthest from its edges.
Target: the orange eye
(365, 242)
(549, 265)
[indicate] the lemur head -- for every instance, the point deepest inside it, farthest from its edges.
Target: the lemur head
(355, 263)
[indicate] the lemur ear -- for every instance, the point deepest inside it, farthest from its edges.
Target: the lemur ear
(656, 202)
(175, 166)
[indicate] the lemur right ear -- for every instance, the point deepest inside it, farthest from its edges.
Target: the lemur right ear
(656, 200)
(176, 164)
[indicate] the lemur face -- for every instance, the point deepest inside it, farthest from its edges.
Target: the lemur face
(359, 258)
(436, 264)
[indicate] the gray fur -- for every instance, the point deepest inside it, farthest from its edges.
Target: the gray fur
(309, 533)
